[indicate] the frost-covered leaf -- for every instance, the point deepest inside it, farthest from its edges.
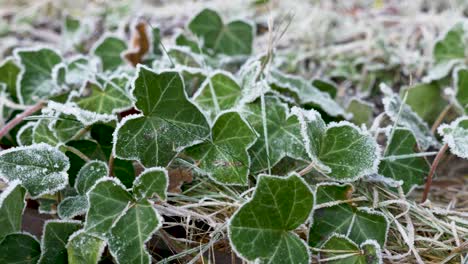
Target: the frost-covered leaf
(455, 136)
(185, 57)
(72, 206)
(43, 133)
(358, 224)
(261, 229)
(151, 182)
(341, 250)
(326, 86)
(361, 110)
(47, 205)
(219, 92)
(89, 174)
(108, 99)
(12, 205)
(109, 50)
(86, 117)
(398, 163)
(306, 93)
(341, 150)
(21, 248)
(224, 157)
(283, 134)
(79, 70)
(9, 72)
(24, 137)
(234, 38)
(66, 127)
(83, 248)
(36, 79)
(108, 200)
(426, 100)
(407, 118)
(327, 193)
(169, 121)
(40, 168)
(130, 233)
(461, 79)
(54, 240)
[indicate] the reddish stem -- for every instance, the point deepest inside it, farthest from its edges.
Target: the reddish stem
(15, 121)
(432, 171)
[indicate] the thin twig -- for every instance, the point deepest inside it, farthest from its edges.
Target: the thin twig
(431, 172)
(10, 125)
(440, 118)
(78, 153)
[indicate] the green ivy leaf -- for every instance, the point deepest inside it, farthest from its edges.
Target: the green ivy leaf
(79, 70)
(341, 250)
(362, 111)
(234, 38)
(54, 239)
(12, 205)
(20, 248)
(407, 118)
(328, 193)
(358, 224)
(83, 248)
(9, 72)
(455, 136)
(89, 174)
(41, 168)
(340, 150)
(44, 133)
(151, 182)
(24, 137)
(218, 93)
(72, 206)
(156, 136)
(283, 134)
(36, 80)
(109, 50)
(108, 99)
(399, 164)
(426, 100)
(224, 157)
(461, 84)
(306, 93)
(261, 229)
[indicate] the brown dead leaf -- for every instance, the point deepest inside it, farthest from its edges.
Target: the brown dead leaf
(177, 177)
(140, 44)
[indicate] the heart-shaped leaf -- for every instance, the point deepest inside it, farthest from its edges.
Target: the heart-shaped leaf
(341, 250)
(234, 38)
(9, 72)
(261, 230)
(362, 111)
(40, 168)
(461, 84)
(426, 100)
(20, 248)
(456, 136)
(36, 79)
(283, 137)
(224, 157)
(83, 248)
(151, 182)
(399, 162)
(72, 206)
(341, 150)
(161, 131)
(54, 240)
(89, 174)
(109, 50)
(12, 205)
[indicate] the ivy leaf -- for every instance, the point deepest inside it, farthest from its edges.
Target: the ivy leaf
(36, 79)
(361, 110)
(234, 38)
(219, 92)
(283, 134)
(109, 50)
(86, 117)
(9, 72)
(224, 157)
(461, 83)
(24, 137)
(367, 253)
(19, 248)
(455, 136)
(40, 168)
(107, 200)
(261, 229)
(398, 163)
(72, 206)
(83, 248)
(327, 193)
(79, 70)
(151, 182)
(358, 224)
(156, 136)
(307, 93)
(407, 118)
(54, 239)
(108, 99)
(12, 205)
(426, 100)
(130, 233)
(340, 150)
(89, 174)
(43, 133)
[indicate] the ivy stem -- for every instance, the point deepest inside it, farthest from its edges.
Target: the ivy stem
(15, 121)
(81, 133)
(78, 153)
(436, 161)
(440, 118)
(307, 169)
(111, 165)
